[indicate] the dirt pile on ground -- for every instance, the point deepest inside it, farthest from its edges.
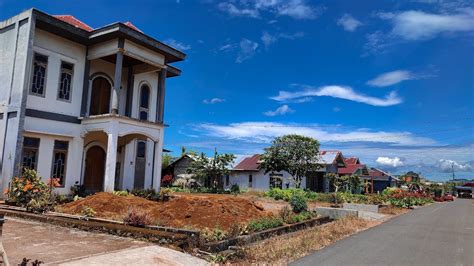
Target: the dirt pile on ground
(181, 211)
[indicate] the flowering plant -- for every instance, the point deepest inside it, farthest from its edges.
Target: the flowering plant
(30, 192)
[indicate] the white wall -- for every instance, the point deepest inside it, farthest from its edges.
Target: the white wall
(59, 49)
(261, 181)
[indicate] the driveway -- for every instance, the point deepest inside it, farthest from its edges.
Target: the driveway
(59, 245)
(439, 234)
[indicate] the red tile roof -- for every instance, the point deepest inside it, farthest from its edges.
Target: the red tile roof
(349, 169)
(79, 24)
(351, 160)
(130, 25)
(251, 163)
(74, 21)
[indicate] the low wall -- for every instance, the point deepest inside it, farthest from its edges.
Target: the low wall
(336, 213)
(361, 207)
(254, 237)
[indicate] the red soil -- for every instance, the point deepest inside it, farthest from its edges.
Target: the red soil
(181, 211)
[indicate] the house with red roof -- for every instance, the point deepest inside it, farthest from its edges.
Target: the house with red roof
(377, 180)
(248, 174)
(81, 103)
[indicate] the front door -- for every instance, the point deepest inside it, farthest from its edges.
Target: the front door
(140, 165)
(100, 96)
(95, 169)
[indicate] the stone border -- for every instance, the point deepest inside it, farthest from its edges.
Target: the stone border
(254, 237)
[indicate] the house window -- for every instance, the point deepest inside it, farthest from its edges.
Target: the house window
(227, 180)
(144, 102)
(141, 149)
(40, 64)
(250, 181)
(59, 160)
(30, 153)
(65, 80)
(276, 181)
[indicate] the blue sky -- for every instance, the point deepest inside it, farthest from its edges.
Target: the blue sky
(391, 82)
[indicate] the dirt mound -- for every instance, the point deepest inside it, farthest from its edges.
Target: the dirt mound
(182, 211)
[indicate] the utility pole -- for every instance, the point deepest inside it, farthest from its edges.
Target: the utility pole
(452, 167)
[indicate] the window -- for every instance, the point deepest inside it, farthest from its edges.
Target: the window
(250, 181)
(40, 63)
(65, 80)
(141, 149)
(59, 160)
(227, 180)
(144, 102)
(30, 153)
(276, 181)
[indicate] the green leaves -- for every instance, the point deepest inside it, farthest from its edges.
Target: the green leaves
(211, 167)
(298, 155)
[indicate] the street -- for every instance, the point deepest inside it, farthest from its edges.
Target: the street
(439, 234)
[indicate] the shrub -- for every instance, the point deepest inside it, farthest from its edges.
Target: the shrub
(78, 190)
(235, 189)
(284, 194)
(285, 214)
(165, 194)
(409, 199)
(303, 216)
(88, 212)
(167, 180)
(30, 192)
(264, 223)
(298, 203)
(149, 193)
(122, 193)
(216, 234)
(136, 217)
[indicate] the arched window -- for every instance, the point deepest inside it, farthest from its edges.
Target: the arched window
(144, 106)
(100, 96)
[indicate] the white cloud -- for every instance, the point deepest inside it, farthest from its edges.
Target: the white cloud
(269, 39)
(226, 47)
(297, 9)
(349, 23)
(247, 50)
(391, 78)
(213, 100)
(264, 132)
(392, 162)
(447, 166)
(341, 92)
(178, 45)
(282, 110)
(418, 25)
(233, 10)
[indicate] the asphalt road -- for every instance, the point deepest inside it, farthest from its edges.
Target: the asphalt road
(439, 234)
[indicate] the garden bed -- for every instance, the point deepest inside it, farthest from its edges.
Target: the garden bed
(181, 211)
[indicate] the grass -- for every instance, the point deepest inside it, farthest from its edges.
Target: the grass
(286, 248)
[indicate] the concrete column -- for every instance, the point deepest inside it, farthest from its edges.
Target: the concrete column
(111, 157)
(117, 77)
(160, 101)
(157, 163)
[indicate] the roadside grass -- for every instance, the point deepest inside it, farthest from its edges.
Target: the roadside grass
(392, 210)
(286, 248)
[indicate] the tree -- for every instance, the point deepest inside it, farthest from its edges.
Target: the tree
(298, 155)
(165, 161)
(338, 182)
(354, 183)
(211, 168)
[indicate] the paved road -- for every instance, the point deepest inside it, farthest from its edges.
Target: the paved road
(439, 234)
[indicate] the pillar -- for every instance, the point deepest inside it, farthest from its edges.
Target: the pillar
(111, 157)
(160, 101)
(157, 163)
(117, 77)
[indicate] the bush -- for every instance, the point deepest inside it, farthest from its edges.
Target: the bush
(285, 214)
(303, 216)
(409, 199)
(284, 194)
(216, 234)
(30, 192)
(122, 193)
(235, 189)
(167, 180)
(136, 217)
(264, 223)
(88, 212)
(149, 193)
(298, 203)
(165, 194)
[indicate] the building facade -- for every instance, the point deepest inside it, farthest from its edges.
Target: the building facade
(82, 105)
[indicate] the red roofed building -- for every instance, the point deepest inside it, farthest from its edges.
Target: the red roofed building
(353, 166)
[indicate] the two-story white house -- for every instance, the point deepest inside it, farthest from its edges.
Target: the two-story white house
(81, 104)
